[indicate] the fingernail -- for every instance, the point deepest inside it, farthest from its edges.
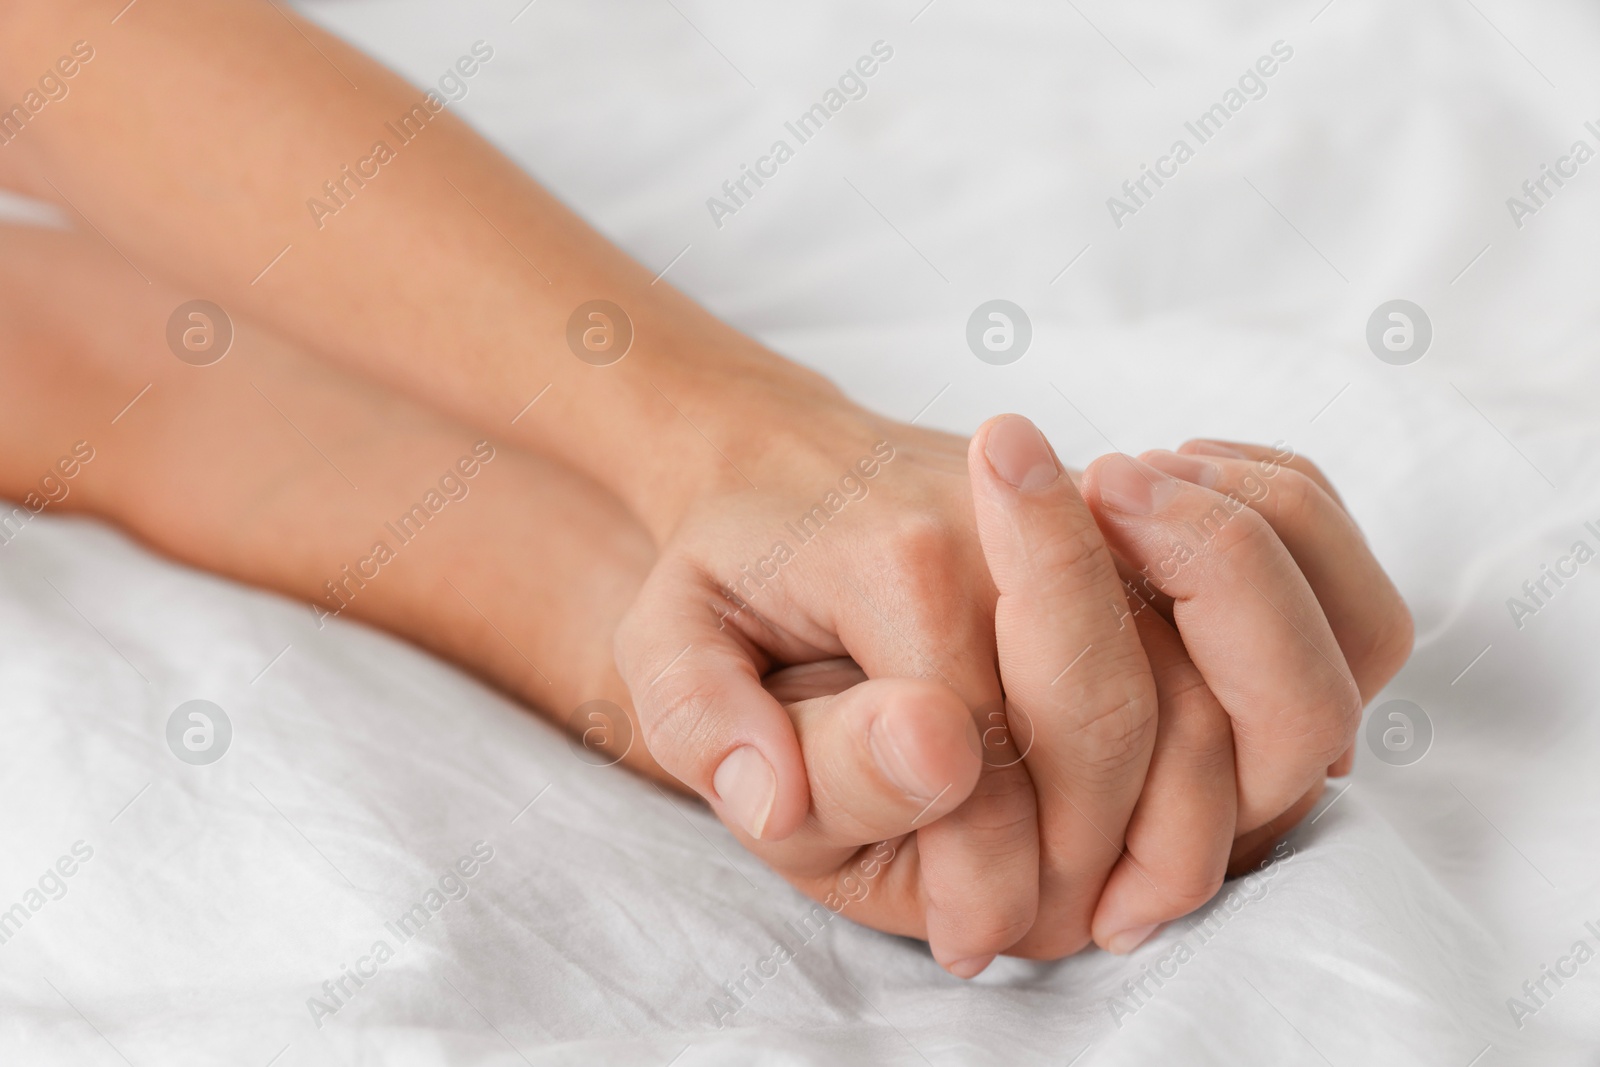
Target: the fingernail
(1215, 448)
(1125, 942)
(1018, 453)
(969, 968)
(1188, 468)
(884, 738)
(1133, 487)
(747, 788)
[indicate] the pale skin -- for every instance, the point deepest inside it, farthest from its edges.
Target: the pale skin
(409, 327)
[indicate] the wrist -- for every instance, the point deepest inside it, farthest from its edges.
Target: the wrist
(692, 409)
(724, 418)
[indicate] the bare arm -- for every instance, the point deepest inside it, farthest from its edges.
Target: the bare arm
(203, 140)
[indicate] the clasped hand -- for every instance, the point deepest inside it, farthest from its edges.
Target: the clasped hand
(1068, 705)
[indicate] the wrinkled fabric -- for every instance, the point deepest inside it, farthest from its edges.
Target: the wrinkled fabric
(1416, 918)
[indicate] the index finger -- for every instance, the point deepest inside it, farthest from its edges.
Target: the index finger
(1071, 663)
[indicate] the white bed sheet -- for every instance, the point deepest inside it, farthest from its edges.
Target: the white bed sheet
(218, 899)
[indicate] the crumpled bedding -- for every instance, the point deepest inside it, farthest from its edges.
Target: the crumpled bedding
(392, 864)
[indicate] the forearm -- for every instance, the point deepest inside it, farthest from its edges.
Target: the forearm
(223, 146)
(215, 467)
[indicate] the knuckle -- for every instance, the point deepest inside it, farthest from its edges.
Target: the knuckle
(1193, 728)
(921, 538)
(676, 717)
(1182, 690)
(1303, 466)
(1001, 811)
(1121, 728)
(1336, 713)
(1189, 887)
(998, 925)
(1246, 538)
(1208, 757)
(1298, 494)
(1348, 710)
(991, 900)
(1006, 931)
(1065, 561)
(1063, 938)
(1388, 645)
(923, 553)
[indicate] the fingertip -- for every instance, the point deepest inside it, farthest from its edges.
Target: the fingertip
(747, 788)
(1090, 482)
(758, 791)
(1344, 764)
(1249, 851)
(757, 786)
(1129, 487)
(1184, 466)
(1206, 446)
(1125, 941)
(1251, 848)
(970, 967)
(1132, 909)
(920, 742)
(1092, 485)
(977, 458)
(980, 437)
(1013, 450)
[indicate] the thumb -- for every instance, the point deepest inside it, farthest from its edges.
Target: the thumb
(884, 757)
(703, 713)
